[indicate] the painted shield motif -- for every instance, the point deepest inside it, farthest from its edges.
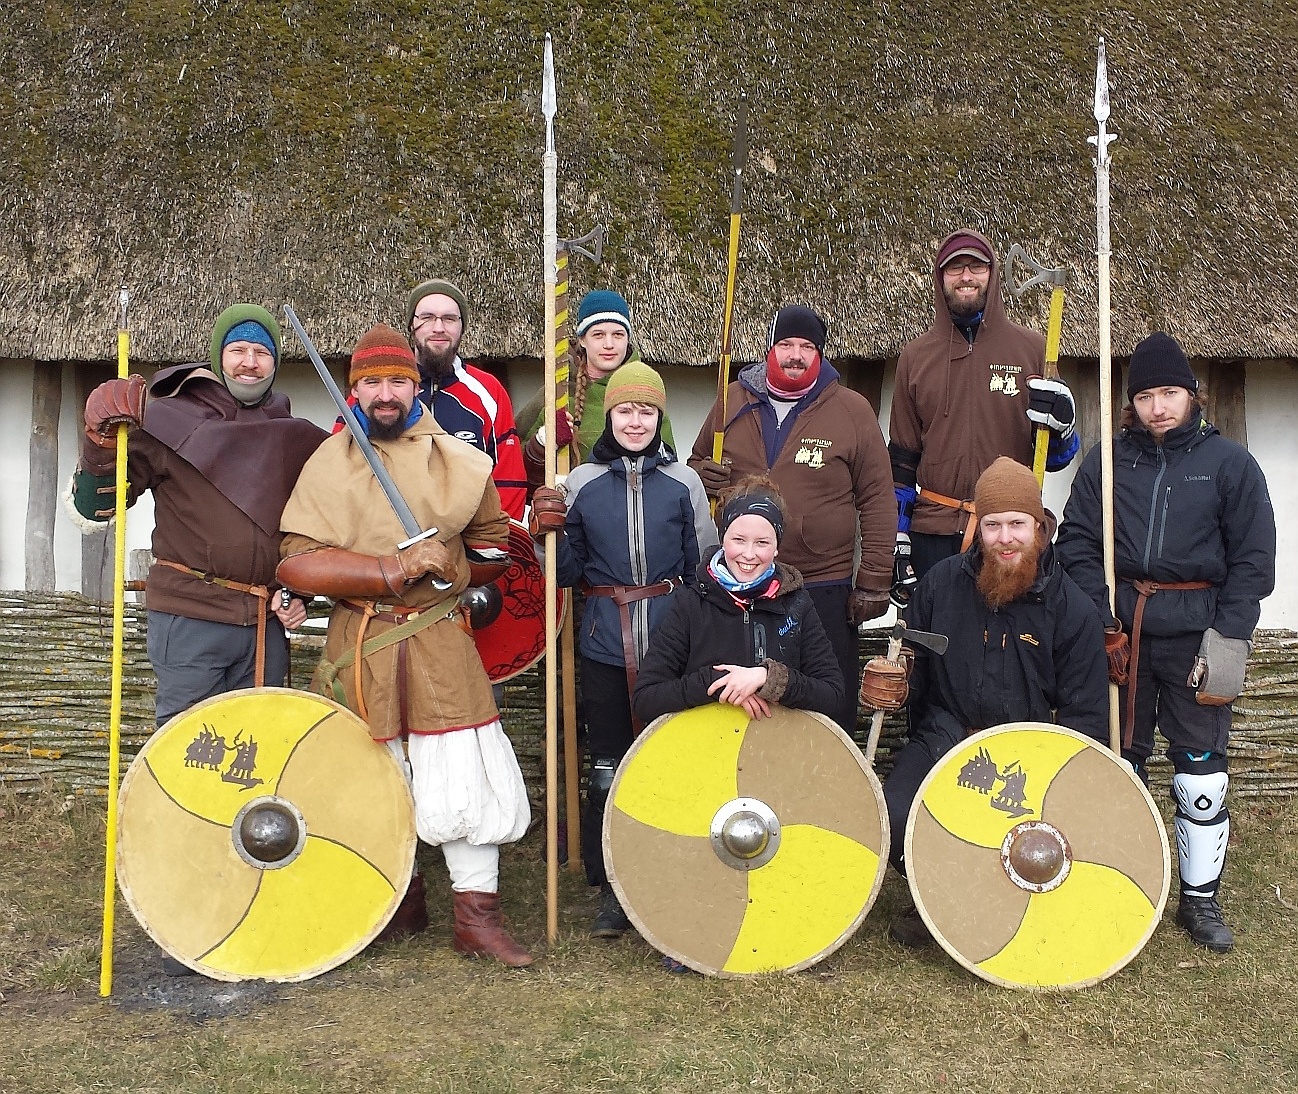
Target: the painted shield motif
(264, 835)
(515, 640)
(1037, 859)
(741, 847)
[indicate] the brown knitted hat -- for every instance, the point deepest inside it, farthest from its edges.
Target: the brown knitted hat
(381, 351)
(1008, 487)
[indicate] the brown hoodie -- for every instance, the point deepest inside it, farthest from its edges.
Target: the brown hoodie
(959, 406)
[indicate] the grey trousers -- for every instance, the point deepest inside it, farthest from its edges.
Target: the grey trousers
(195, 659)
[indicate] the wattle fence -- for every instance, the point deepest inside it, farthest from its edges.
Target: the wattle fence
(55, 659)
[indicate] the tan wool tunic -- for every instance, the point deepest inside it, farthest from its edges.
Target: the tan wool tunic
(338, 503)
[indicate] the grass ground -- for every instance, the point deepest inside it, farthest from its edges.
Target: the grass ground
(592, 1016)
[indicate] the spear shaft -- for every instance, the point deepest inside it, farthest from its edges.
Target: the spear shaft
(1102, 140)
(739, 156)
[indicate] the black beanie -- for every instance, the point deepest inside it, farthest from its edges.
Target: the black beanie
(798, 321)
(1159, 362)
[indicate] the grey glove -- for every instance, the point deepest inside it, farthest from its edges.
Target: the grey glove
(1218, 671)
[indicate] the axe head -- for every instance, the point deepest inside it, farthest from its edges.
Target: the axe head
(1040, 274)
(930, 641)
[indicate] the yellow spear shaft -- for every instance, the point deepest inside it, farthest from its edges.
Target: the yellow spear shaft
(739, 157)
(115, 688)
(1051, 373)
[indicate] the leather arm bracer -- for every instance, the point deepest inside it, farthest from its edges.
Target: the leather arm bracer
(333, 571)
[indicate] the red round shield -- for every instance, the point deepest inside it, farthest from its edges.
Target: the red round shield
(515, 641)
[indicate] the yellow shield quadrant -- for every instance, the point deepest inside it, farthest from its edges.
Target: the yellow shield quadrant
(264, 835)
(740, 847)
(1037, 859)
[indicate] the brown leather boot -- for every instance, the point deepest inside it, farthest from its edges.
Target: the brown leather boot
(480, 932)
(411, 915)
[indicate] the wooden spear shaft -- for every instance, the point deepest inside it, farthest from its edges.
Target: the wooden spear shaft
(549, 243)
(115, 687)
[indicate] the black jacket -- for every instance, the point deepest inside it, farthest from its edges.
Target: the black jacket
(1195, 508)
(705, 626)
(1040, 658)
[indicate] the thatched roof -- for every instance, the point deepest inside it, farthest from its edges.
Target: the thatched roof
(328, 155)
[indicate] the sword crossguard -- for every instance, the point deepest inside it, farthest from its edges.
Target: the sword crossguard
(1042, 275)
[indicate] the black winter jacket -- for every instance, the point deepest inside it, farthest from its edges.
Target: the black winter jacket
(705, 627)
(1195, 508)
(1040, 658)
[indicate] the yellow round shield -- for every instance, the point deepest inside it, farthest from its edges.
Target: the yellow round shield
(1037, 859)
(264, 835)
(740, 847)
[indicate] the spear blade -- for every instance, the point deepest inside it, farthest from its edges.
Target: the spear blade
(549, 100)
(1101, 87)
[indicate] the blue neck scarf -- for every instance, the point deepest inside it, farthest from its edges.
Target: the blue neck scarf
(718, 569)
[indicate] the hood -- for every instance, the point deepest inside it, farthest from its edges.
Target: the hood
(993, 313)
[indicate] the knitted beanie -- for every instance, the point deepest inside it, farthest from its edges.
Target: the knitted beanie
(963, 243)
(635, 383)
(438, 287)
(798, 321)
(1159, 361)
(1008, 487)
(602, 306)
(381, 351)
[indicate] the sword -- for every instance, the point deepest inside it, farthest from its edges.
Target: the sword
(408, 522)
(901, 633)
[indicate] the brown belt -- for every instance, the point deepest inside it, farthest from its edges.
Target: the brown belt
(261, 592)
(966, 507)
(1144, 590)
(624, 596)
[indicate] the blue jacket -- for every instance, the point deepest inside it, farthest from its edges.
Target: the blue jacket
(1195, 508)
(631, 522)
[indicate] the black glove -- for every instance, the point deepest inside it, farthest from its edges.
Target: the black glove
(715, 476)
(1051, 404)
(903, 573)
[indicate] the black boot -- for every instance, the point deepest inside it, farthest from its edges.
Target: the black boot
(610, 921)
(910, 930)
(1200, 917)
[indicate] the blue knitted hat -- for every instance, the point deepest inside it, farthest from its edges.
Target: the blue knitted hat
(603, 306)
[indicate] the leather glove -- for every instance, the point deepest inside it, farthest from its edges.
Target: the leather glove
(903, 573)
(1118, 649)
(715, 476)
(863, 605)
(1050, 404)
(428, 556)
(549, 512)
(1218, 672)
(885, 684)
(113, 403)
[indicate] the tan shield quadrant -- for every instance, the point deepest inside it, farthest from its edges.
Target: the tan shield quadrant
(740, 847)
(1037, 859)
(264, 835)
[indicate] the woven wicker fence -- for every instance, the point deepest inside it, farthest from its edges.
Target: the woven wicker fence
(55, 660)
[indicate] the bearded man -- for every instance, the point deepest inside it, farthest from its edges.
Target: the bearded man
(1026, 645)
(466, 401)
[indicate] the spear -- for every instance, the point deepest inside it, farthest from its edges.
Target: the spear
(115, 686)
(550, 234)
(1102, 140)
(739, 156)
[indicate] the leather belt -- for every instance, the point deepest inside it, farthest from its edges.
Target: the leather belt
(966, 507)
(1144, 590)
(261, 592)
(624, 596)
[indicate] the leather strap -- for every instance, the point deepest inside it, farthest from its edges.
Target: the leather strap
(966, 507)
(1144, 590)
(624, 596)
(261, 592)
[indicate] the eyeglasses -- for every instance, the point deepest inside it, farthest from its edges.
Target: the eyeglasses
(431, 319)
(960, 265)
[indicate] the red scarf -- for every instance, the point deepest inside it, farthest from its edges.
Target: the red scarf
(781, 386)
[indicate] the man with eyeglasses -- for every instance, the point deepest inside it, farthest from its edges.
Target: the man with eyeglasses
(466, 401)
(968, 390)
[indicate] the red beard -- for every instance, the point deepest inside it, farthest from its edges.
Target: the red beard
(1002, 583)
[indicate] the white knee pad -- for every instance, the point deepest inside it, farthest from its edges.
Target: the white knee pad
(474, 867)
(1202, 829)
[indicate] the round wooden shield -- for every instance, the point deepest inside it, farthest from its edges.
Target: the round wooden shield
(740, 847)
(1037, 859)
(264, 835)
(515, 640)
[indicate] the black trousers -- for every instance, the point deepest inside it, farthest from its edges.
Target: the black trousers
(926, 550)
(831, 606)
(606, 712)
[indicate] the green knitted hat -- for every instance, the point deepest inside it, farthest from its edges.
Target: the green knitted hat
(231, 318)
(442, 288)
(635, 383)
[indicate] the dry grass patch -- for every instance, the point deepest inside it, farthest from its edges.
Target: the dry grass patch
(597, 1017)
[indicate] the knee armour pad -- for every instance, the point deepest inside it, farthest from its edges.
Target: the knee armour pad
(598, 785)
(600, 782)
(1202, 820)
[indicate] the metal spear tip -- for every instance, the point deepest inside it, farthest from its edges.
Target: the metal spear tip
(548, 102)
(123, 300)
(1101, 87)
